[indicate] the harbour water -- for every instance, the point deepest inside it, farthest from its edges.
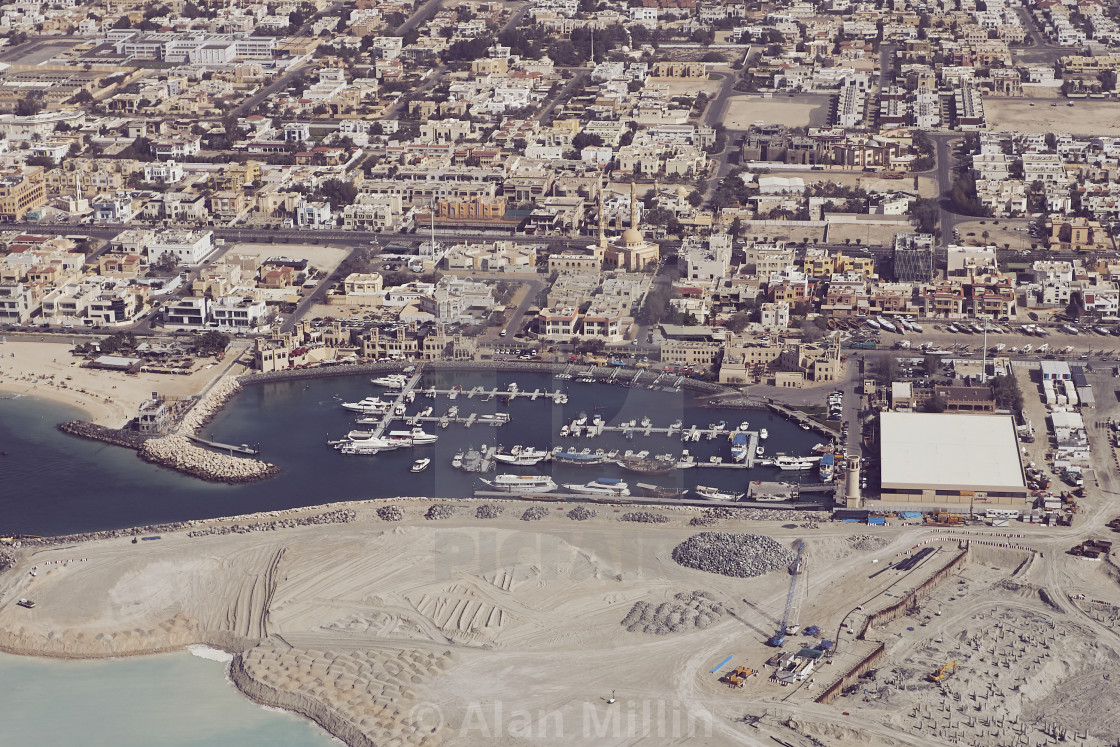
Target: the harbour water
(57, 484)
(170, 700)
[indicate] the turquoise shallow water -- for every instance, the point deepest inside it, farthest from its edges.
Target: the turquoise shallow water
(170, 700)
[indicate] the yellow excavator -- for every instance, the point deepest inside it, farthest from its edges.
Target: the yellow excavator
(944, 673)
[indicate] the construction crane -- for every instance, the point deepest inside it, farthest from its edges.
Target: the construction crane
(944, 673)
(789, 617)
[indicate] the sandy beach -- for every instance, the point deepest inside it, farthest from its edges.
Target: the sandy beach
(501, 631)
(110, 398)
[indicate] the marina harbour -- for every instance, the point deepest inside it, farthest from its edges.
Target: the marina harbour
(84, 486)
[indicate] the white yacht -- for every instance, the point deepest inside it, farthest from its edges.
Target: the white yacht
(414, 437)
(522, 456)
(716, 494)
(457, 460)
(368, 406)
(795, 464)
(744, 426)
(521, 484)
(420, 465)
(367, 447)
(392, 381)
(764, 434)
(610, 486)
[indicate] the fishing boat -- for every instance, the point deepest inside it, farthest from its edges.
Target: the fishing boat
(656, 466)
(715, 494)
(420, 465)
(520, 456)
(763, 434)
(739, 446)
(795, 464)
(392, 381)
(368, 406)
(610, 486)
(414, 437)
(521, 483)
(828, 462)
(657, 491)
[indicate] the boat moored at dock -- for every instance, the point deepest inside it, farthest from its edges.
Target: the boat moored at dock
(522, 456)
(610, 486)
(795, 464)
(715, 494)
(521, 483)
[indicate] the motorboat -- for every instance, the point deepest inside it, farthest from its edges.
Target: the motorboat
(576, 458)
(500, 418)
(686, 461)
(744, 426)
(392, 381)
(715, 494)
(763, 434)
(457, 460)
(828, 462)
(368, 406)
(610, 486)
(795, 464)
(420, 465)
(522, 456)
(759, 451)
(368, 447)
(521, 483)
(414, 437)
(739, 446)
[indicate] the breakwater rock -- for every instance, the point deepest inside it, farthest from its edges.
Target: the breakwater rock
(341, 516)
(208, 405)
(178, 453)
(84, 429)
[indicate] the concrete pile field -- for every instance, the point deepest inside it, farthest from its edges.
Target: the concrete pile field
(687, 611)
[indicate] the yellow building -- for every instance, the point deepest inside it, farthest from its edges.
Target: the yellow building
(21, 192)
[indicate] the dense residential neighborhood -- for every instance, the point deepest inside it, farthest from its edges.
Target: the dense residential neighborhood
(733, 189)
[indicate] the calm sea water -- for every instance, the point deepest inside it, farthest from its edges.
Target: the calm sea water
(171, 700)
(53, 483)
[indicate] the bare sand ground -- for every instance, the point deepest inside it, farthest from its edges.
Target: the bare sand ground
(927, 185)
(743, 111)
(1006, 232)
(325, 258)
(468, 631)
(110, 398)
(1083, 118)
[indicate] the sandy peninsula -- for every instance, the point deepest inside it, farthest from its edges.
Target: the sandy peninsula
(109, 398)
(502, 631)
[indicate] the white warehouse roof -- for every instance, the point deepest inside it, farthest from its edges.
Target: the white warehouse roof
(949, 450)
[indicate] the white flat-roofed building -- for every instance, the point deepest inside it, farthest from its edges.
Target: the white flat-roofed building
(950, 459)
(189, 247)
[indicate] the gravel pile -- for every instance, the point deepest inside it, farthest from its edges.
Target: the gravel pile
(440, 511)
(738, 555)
(390, 513)
(581, 513)
(487, 511)
(703, 521)
(867, 542)
(687, 611)
(646, 517)
(534, 513)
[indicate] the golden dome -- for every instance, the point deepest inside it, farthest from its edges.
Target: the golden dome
(632, 237)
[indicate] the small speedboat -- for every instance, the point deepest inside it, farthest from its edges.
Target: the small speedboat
(420, 465)
(716, 494)
(764, 434)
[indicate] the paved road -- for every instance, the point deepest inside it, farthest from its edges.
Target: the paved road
(946, 163)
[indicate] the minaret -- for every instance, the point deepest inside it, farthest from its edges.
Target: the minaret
(602, 218)
(633, 208)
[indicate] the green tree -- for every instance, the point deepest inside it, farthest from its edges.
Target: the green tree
(936, 403)
(212, 343)
(886, 370)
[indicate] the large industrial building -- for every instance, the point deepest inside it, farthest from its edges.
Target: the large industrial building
(951, 460)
